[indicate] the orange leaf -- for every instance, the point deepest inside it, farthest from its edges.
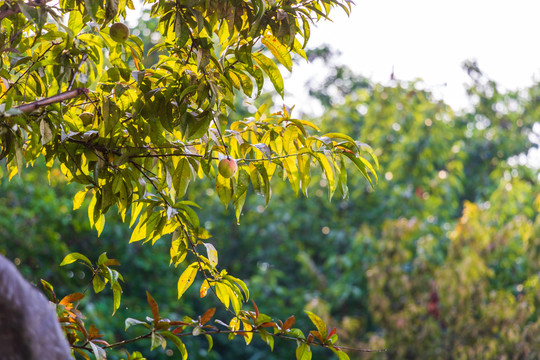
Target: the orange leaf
(71, 298)
(204, 288)
(207, 316)
(93, 332)
(268, 324)
(317, 335)
(289, 323)
(111, 262)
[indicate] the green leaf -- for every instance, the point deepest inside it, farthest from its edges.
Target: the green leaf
(240, 192)
(98, 284)
(267, 338)
(157, 341)
(102, 258)
(75, 22)
(111, 9)
(241, 284)
(210, 342)
(117, 296)
(71, 258)
(181, 30)
(133, 322)
(224, 189)
(92, 8)
(361, 165)
(303, 352)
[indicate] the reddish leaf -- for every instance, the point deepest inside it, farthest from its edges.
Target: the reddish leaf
(207, 316)
(256, 309)
(331, 333)
(154, 306)
(178, 330)
(268, 324)
(310, 338)
(289, 323)
(175, 323)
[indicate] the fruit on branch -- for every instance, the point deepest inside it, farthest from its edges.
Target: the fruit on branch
(227, 167)
(86, 118)
(119, 32)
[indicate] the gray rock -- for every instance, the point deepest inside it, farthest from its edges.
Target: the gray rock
(29, 328)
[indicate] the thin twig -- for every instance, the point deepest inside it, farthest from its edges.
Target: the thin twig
(166, 155)
(83, 59)
(120, 343)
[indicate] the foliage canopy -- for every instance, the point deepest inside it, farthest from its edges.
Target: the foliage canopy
(136, 136)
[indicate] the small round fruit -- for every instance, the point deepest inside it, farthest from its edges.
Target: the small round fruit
(227, 167)
(119, 32)
(86, 118)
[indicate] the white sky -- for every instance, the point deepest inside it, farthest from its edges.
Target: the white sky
(430, 39)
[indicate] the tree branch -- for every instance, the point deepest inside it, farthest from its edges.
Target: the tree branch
(33, 106)
(9, 11)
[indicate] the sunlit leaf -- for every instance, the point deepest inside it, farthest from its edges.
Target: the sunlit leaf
(71, 258)
(186, 279)
(319, 324)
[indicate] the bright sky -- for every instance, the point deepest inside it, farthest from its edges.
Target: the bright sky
(430, 39)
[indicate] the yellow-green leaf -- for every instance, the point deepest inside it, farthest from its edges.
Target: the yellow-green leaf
(303, 352)
(325, 164)
(319, 324)
(280, 51)
(79, 198)
(186, 279)
(270, 69)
